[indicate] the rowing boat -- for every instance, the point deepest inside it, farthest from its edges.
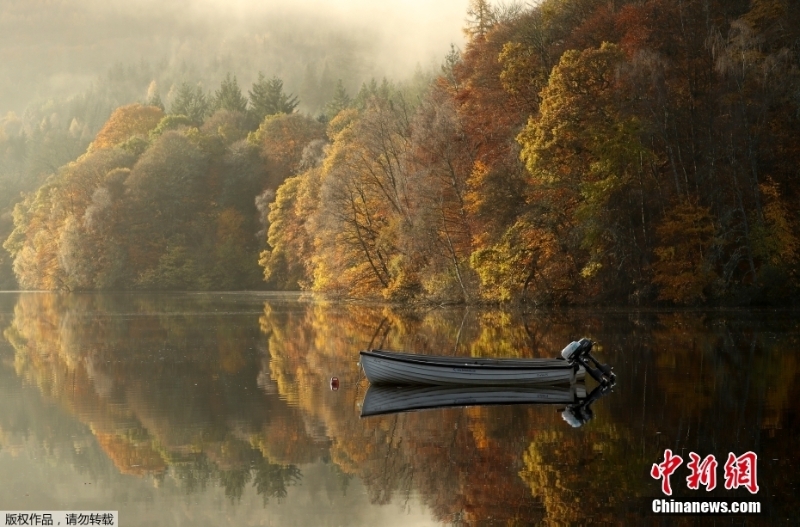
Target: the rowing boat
(392, 367)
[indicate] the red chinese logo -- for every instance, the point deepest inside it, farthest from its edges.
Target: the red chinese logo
(741, 472)
(664, 470)
(704, 472)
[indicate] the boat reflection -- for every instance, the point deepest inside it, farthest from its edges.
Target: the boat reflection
(574, 400)
(579, 413)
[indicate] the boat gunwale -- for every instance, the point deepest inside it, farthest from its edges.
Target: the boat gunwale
(470, 362)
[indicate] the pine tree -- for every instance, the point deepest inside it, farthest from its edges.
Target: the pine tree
(267, 98)
(481, 18)
(340, 101)
(229, 96)
(191, 102)
(451, 60)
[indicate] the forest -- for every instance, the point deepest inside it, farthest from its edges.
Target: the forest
(573, 152)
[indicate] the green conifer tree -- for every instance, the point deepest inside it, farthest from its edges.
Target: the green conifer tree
(229, 96)
(341, 100)
(191, 102)
(267, 98)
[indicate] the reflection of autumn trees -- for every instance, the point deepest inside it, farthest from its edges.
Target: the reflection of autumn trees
(234, 392)
(458, 461)
(685, 378)
(166, 386)
(571, 473)
(463, 463)
(131, 457)
(723, 362)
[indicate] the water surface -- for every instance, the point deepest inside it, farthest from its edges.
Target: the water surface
(215, 409)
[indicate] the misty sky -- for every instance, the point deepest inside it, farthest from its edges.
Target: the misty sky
(51, 48)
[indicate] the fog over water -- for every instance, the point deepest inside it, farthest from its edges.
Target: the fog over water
(57, 48)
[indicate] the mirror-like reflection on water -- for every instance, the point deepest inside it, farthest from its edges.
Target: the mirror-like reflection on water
(216, 409)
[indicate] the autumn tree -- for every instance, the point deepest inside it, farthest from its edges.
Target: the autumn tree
(684, 269)
(49, 226)
(282, 139)
(366, 204)
(125, 123)
(440, 164)
(588, 151)
(153, 97)
(172, 208)
(287, 261)
(481, 93)
(480, 18)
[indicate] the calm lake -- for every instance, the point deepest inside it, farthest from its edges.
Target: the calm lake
(216, 410)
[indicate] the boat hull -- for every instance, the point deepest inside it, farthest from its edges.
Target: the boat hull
(384, 367)
(381, 400)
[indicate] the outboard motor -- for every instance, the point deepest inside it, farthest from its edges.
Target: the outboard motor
(576, 348)
(579, 353)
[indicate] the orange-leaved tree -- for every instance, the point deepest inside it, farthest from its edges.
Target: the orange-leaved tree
(683, 269)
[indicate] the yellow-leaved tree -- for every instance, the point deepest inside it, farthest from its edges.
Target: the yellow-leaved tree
(125, 123)
(584, 154)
